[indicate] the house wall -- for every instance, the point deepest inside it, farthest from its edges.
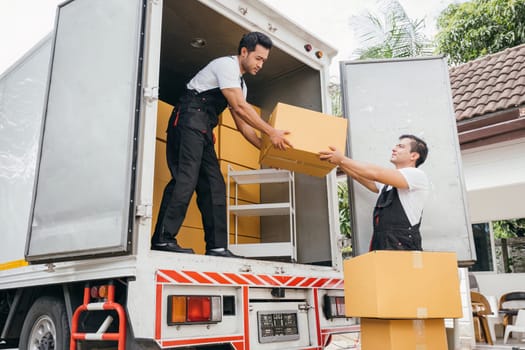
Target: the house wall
(496, 284)
(495, 181)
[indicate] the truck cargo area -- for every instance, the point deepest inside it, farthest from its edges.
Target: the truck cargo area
(192, 35)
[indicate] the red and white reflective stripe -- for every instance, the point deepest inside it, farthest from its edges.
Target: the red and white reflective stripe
(201, 341)
(245, 279)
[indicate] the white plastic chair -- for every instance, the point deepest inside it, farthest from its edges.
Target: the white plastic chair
(495, 318)
(519, 326)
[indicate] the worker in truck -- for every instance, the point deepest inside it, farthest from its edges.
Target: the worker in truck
(403, 191)
(190, 153)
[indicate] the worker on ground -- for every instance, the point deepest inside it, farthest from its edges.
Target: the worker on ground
(190, 152)
(403, 191)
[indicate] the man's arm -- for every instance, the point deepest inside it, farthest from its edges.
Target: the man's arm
(247, 131)
(243, 110)
(371, 185)
(366, 171)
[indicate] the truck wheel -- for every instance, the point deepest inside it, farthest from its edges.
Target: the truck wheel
(45, 326)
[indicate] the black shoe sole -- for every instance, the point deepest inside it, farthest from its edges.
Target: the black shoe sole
(224, 255)
(172, 250)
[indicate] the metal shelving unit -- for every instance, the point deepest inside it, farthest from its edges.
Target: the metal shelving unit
(262, 176)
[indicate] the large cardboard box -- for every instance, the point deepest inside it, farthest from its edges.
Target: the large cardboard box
(234, 148)
(247, 192)
(163, 115)
(402, 285)
(378, 334)
(226, 118)
(310, 132)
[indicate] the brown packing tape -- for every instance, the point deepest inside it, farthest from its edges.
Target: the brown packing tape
(419, 331)
(422, 312)
(417, 260)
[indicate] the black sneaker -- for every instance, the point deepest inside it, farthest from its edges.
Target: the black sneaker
(224, 253)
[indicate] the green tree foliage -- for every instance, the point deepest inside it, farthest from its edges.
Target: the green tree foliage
(509, 228)
(334, 91)
(344, 209)
(391, 34)
(473, 29)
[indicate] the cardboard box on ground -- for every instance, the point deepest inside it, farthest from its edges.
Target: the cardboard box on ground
(402, 284)
(416, 334)
(402, 298)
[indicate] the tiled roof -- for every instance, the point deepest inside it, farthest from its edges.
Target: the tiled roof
(489, 84)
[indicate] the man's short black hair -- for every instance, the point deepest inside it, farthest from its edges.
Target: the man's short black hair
(417, 145)
(251, 40)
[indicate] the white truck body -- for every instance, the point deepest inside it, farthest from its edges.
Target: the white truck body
(78, 164)
(77, 143)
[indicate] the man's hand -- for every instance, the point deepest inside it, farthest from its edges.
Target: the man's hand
(332, 156)
(278, 139)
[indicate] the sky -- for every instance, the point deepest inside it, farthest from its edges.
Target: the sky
(24, 22)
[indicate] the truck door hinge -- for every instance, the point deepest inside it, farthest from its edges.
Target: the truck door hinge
(305, 307)
(144, 211)
(151, 94)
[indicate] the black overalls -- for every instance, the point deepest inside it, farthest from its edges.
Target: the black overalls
(392, 229)
(194, 167)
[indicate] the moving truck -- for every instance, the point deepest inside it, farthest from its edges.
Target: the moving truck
(82, 169)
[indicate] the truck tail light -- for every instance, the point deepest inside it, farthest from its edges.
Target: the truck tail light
(334, 306)
(99, 292)
(187, 309)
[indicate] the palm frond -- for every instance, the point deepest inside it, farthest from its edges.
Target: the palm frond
(391, 33)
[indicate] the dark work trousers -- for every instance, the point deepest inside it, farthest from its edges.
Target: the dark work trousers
(392, 229)
(194, 167)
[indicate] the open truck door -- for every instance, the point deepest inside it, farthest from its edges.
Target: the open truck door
(85, 175)
(384, 99)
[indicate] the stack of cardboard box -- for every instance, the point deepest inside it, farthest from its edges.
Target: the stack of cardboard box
(233, 150)
(402, 298)
(310, 132)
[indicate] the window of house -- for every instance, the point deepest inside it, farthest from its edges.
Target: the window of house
(482, 242)
(500, 246)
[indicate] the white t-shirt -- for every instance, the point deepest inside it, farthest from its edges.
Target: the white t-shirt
(412, 198)
(222, 72)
